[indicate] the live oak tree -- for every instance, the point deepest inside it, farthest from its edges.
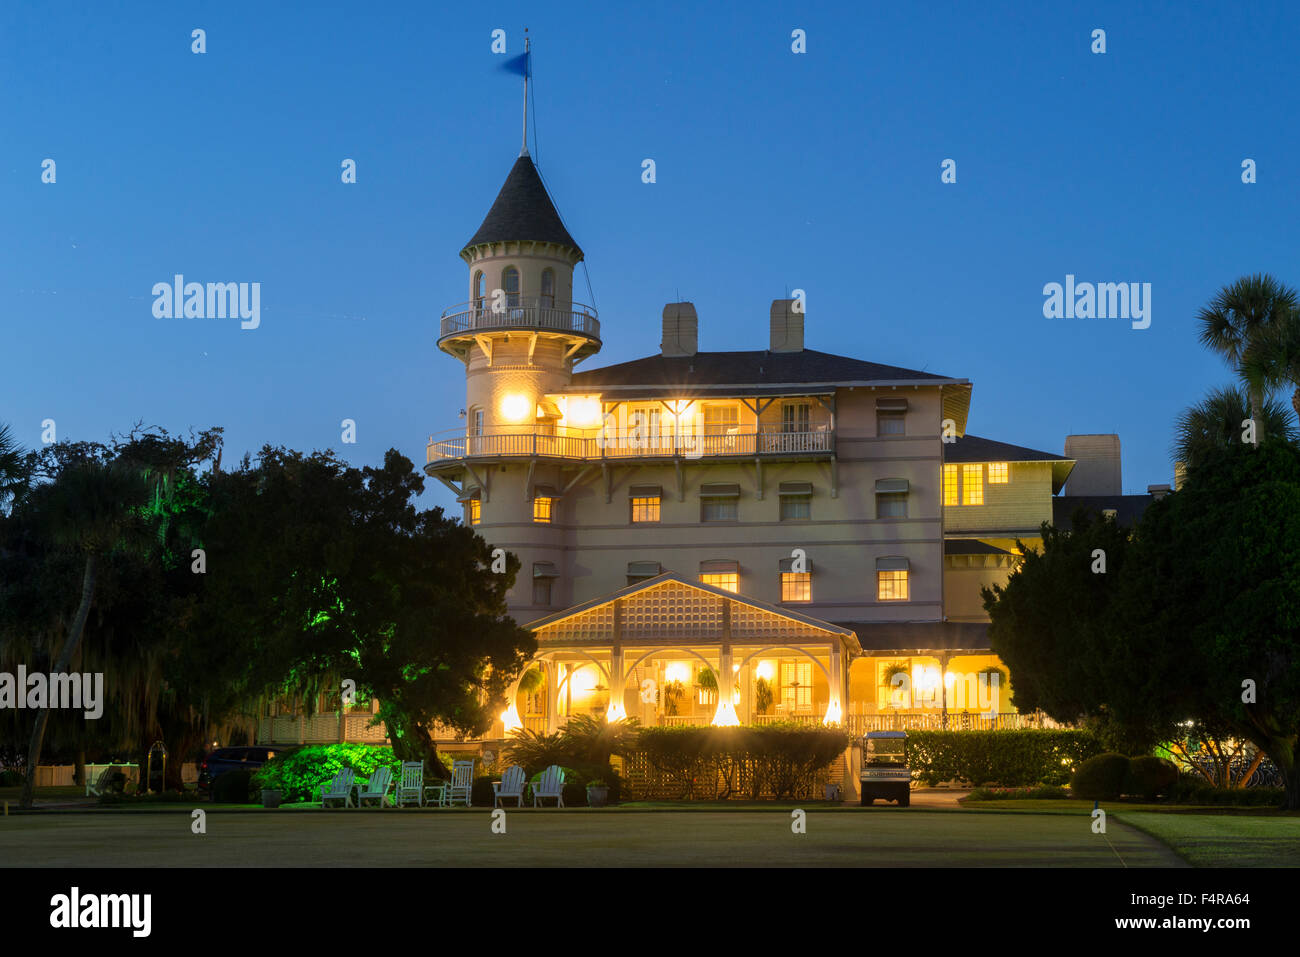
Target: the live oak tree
(1197, 617)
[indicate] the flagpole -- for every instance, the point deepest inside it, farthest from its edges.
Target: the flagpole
(524, 149)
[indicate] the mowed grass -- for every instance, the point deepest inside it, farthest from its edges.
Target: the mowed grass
(1224, 840)
(884, 837)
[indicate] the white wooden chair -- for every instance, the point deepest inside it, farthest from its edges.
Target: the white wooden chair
(550, 785)
(377, 788)
(410, 786)
(462, 782)
(340, 789)
(511, 785)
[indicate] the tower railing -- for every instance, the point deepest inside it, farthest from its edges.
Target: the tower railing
(519, 312)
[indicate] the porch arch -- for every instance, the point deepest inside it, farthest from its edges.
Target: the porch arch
(800, 651)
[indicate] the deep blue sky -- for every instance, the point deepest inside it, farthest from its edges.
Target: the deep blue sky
(775, 171)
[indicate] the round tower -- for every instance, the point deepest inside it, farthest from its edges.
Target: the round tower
(518, 335)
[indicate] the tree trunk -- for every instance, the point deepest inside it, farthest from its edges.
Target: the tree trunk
(1257, 413)
(1295, 402)
(79, 770)
(69, 649)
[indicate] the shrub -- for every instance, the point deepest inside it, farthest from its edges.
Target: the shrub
(481, 794)
(1006, 758)
(773, 760)
(233, 787)
(11, 779)
(1150, 776)
(299, 774)
(1101, 777)
(1191, 789)
(1040, 793)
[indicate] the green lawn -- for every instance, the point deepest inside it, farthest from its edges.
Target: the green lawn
(741, 838)
(1224, 840)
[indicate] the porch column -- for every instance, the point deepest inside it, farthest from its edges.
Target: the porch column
(726, 711)
(552, 699)
(835, 689)
(943, 687)
(616, 711)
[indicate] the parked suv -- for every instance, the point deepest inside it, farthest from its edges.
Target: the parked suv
(221, 760)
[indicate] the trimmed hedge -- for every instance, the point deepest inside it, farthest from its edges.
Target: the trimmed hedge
(771, 760)
(233, 787)
(1101, 777)
(1002, 758)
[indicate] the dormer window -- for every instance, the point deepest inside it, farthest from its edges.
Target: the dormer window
(548, 288)
(510, 283)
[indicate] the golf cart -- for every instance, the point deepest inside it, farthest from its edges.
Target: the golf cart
(885, 773)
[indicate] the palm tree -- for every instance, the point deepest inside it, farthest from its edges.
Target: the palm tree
(92, 508)
(1273, 360)
(13, 475)
(1216, 420)
(1236, 320)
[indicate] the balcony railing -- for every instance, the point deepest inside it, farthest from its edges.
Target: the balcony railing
(518, 312)
(593, 444)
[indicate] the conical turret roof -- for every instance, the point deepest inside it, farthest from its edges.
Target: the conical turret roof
(523, 211)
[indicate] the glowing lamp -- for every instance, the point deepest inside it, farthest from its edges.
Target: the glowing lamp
(833, 713)
(515, 407)
(615, 711)
(582, 681)
(582, 411)
(725, 716)
(765, 670)
(510, 719)
(949, 677)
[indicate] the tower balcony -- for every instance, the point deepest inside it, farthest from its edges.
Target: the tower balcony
(542, 316)
(595, 445)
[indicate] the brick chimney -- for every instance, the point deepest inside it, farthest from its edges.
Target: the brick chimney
(786, 327)
(1097, 465)
(681, 330)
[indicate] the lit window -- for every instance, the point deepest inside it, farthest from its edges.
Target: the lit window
(796, 586)
(891, 505)
(999, 473)
(727, 581)
(972, 484)
(890, 423)
(950, 485)
(476, 422)
(542, 509)
(510, 283)
(475, 511)
(645, 509)
(796, 687)
(721, 419)
(891, 586)
(796, 417)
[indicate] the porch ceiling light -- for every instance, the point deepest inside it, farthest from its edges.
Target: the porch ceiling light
(583, 681)
(765, 670)
(677, 671)
(725, 716)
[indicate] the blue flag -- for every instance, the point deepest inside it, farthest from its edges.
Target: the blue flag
(517, 65)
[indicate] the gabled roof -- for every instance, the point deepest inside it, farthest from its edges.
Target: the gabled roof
(973, 448)
(710, 371)
(633, 592)
(523, 211)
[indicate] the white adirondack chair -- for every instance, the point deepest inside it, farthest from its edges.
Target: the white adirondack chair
(550, 785)
(410, 786)
(377, 788)
(340, 789)
(511, 785)
(462, 782)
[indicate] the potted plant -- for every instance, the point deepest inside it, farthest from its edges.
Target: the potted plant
(271, 797)
(673, 692)
(597, 792)
(762, 696)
